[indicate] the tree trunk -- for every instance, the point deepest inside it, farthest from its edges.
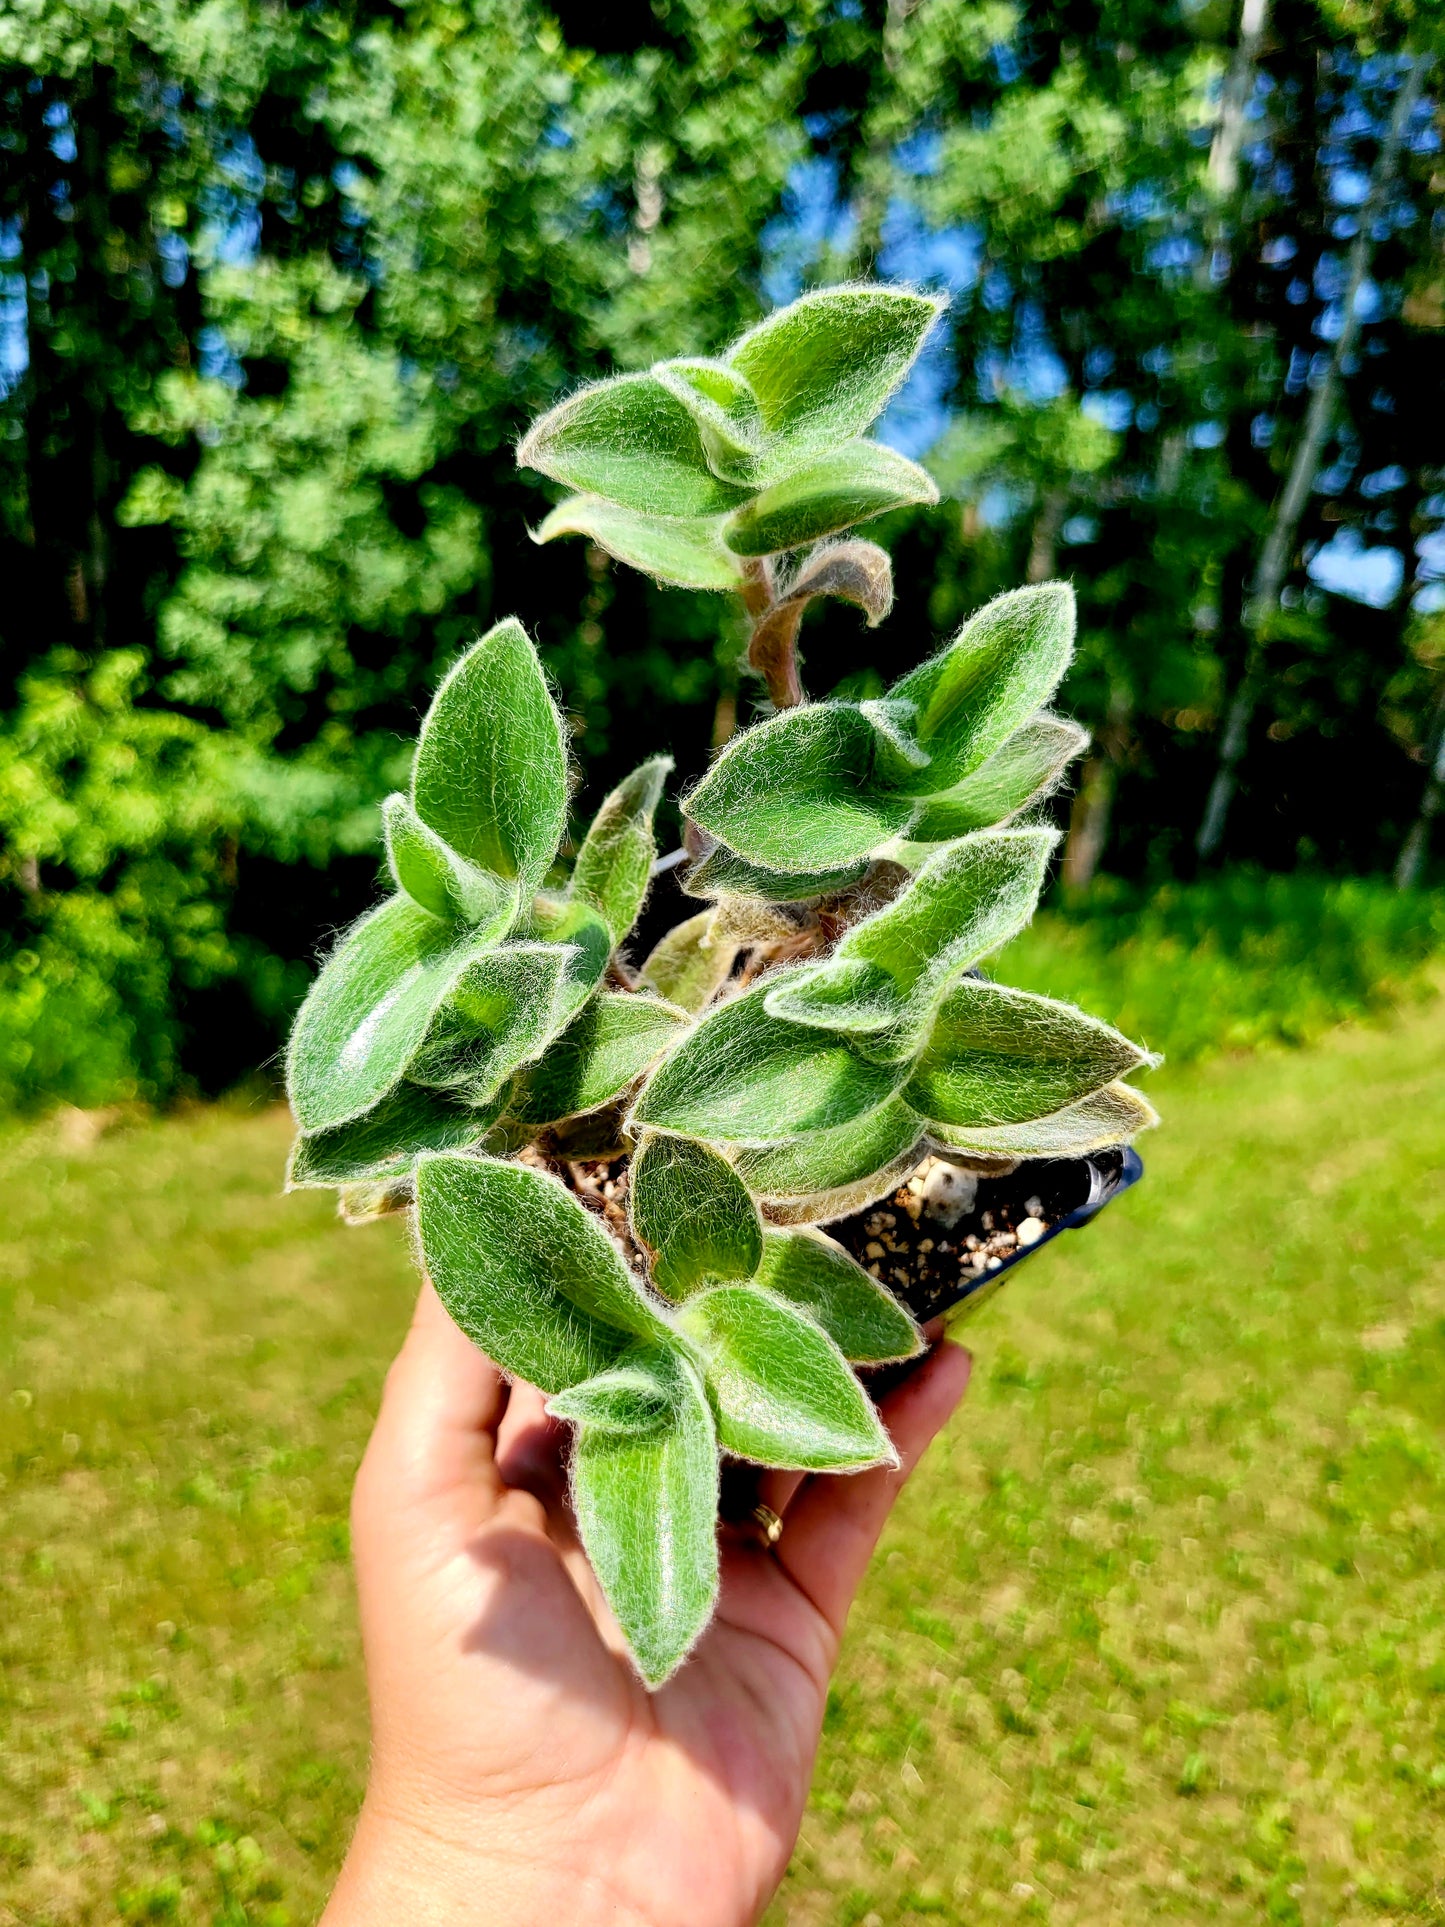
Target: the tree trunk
(1238, 86)
(1416, 848)
(1044, 549)
(1094, 803)
(1278, 550)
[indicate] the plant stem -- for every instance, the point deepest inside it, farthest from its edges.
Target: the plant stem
(1274, 561)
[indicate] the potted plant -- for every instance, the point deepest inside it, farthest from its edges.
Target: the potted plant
(687, 1194)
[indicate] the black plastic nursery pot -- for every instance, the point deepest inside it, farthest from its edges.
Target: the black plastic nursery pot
(947, 1238)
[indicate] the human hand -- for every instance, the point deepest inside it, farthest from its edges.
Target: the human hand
(521, 1772)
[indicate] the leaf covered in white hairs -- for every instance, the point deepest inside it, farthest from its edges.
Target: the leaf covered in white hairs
(491, 764)
(1000, 1056)
(632, 441)
(823, 368)
(686, 551)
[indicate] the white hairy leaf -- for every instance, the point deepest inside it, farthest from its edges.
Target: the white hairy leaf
(801, 792)
(691, 963)
(852, 484)
(890, 970)
(824, 368)
(692, 1212)
(817, 1276)
(1112, 1115)
(630, 440)
(614, 865)
(369, 1010)
(782, 1392)
(491, 767)
(438, 879)
(744, 1077)
(607, 1046)
(1000, 1056)
(526, 1271)
(646, 1507)
(686, 551)
(386, 1141)
(829, 1160)
(1003, 664)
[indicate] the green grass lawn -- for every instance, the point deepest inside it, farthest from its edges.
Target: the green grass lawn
(1158, 1633)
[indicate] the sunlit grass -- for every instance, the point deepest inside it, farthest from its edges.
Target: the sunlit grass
(1159, 1633)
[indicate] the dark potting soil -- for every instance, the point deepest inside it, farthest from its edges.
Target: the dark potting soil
(939, 1238)
(945, 1232)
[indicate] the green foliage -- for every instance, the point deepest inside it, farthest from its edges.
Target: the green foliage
(461, 1051)
(604, 1051)
(768, 433)
(491, 770)
(526, 1272)
(434, 876)
(815, 1275)
(834, 783)
(386, 1141)
(614, 864)
(781, 1390)
(693, 1213)
(1000, 1056)
(646, 1503)
(889, 971)
(746, 1077)
(855, 483)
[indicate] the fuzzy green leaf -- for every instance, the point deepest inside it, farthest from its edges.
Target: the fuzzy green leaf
(823, 368)
(691, 963)
(687, 551)
(646, 1506)
(826, 1207)
(1000, 1056)
(690, 1209)
(851, 485)
(745, 1077)
(781, 1390)
(568, 920)
(635, 1396)
(801, 792)
(615, 862)
(1025, 769)
(832, 1159)
(630, 440)
(726, 411)
(889, 971)
(1112, 1115)
(973, 695)
(526, 1271)
(499, 1014)
(434, 876)
(491, 764)
(385, 1141)
(607, 1046)
(723, 873)
(865, 1322)
(369, 1010)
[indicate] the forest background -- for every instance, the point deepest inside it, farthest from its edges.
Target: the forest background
(279, 286)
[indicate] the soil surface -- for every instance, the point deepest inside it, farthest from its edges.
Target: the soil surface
(946, 1231)
(937, 1239)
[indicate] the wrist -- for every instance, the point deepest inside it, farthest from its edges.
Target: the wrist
(420, 1869)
